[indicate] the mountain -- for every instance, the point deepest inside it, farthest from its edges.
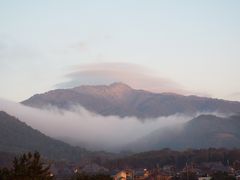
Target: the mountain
(203, 131)
(121, 100)
(17, 137)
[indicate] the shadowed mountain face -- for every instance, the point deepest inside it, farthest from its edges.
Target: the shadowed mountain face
(121, 100)
(17, 137)
(203, 131)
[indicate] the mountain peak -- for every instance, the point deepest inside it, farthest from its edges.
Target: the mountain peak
(115, 85)
(120, 85)
(115, 90)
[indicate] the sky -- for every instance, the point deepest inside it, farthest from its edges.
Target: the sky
(188, 46)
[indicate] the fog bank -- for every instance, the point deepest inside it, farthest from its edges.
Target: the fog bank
(81, 127)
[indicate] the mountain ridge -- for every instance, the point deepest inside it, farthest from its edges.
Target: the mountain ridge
(121, 100)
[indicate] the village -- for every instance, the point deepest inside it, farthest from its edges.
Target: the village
(191, 171)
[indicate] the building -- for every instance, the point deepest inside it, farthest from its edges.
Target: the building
(205, 178)
(124, 175)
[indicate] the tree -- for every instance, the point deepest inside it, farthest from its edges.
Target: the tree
(222, 176)
(4, 174)
(27, 167)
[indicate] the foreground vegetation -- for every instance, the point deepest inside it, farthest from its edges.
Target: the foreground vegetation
(30, 166)
(27, 167)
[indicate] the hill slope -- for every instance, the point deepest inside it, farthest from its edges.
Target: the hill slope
(18, 137)
(121, 100)
(203, 131)
(160, 158)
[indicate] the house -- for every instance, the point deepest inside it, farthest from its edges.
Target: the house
(205, 178)
(141, 174)
(124, 175)
(238, 177)
(159, 175)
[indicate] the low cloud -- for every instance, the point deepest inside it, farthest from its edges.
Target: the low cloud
(93, 131)
(134, 75)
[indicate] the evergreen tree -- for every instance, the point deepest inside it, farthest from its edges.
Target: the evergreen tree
(4, 174)
(27, 167)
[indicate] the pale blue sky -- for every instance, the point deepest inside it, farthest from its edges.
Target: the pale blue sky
(195, 43)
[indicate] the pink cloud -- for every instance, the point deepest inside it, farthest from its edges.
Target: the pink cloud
(134, 75)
